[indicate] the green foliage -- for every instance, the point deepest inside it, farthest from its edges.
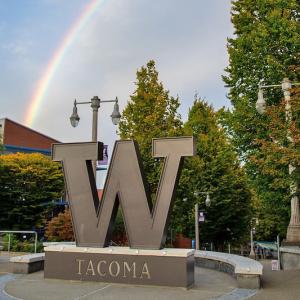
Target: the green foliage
(20, 245)
(276, 153)
(119, 224)
(264, 49)
(29, 183)
(215, 169)
(150, 113)
(1, 144)
(13, 242)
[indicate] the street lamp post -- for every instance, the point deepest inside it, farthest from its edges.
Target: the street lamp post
(196, 226)
(95, 104)
(293, 231)
(207, 203)
(254, 221)
(252, 253)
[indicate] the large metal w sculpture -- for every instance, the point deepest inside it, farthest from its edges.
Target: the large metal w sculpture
(146, 224)
(126, 185)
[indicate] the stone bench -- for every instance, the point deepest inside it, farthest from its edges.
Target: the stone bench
(29, 263)
(246, 271)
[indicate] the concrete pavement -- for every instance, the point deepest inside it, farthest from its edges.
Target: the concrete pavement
(283, 285)
(209, 285)
(279, 285)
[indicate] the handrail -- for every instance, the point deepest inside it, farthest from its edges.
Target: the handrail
(19, 231)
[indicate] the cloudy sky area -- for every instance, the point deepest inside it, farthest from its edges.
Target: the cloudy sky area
(187, 39)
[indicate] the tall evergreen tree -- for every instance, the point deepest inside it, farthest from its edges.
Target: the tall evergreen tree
(150, 113)
(215, 169)
(264, 49)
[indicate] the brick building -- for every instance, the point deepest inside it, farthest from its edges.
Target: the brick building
(18, 138)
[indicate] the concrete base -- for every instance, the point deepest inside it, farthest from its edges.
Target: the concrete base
(248, 281)
(27, 263)
(290, 258)
(25, 268)
(167, 267)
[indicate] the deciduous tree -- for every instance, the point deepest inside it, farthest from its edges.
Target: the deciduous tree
(264, 49)
(60, 228)
(150, 113)
(29, 183)
(216, 170)
(280, 149)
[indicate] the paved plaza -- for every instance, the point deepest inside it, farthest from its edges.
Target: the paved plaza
(279, 285)
(209, 284)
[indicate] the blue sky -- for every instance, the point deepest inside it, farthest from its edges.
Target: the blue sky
(187, 39)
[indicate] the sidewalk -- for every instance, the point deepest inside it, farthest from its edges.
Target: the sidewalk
(279, 285)
(209, 284)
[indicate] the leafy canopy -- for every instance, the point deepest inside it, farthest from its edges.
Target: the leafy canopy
(264, 50)
(150, 113)
(29, 183)
(214, 169)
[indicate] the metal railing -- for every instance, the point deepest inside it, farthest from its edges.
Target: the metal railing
(9, 232)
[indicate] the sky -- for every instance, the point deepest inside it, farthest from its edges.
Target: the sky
(187, 40)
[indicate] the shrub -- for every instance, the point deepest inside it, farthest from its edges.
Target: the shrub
(60, 228)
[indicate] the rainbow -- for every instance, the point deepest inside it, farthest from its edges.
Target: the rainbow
(52, 67)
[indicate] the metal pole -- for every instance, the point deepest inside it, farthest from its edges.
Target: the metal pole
(95, 106)
(8, 248)
(35, 243)
(252, 254)
(293, 231)
(196, 226)
(95, 125)
(229, 248)
(278, 253)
